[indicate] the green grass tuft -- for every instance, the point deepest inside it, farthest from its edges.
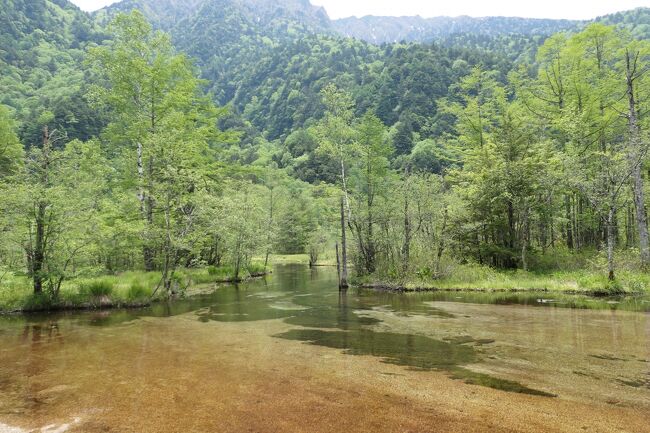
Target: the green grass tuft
(96, 288)
(138, 292)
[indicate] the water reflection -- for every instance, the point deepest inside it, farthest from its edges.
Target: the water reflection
(34, 333)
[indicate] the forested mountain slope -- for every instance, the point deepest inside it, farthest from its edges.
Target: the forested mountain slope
(379, 30)
(281, 92)
(161, 13)
(637, 21)
(228, 37)
(42, 44)
(169, 13)
(270, 59)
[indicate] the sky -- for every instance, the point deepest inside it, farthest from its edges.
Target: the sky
(570, 9)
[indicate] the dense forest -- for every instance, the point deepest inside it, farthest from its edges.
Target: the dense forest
(166, 137)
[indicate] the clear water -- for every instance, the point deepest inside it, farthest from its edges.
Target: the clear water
(68, 369)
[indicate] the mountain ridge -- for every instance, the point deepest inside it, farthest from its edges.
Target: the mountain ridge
(370, 28)
(378, 29)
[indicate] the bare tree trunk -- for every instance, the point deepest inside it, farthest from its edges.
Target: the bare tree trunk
(511, 225)
(629, 226)
(524, 242)
(344, 258)
(313, 255)
(635, 159)
(168, 251)
(214, 256)
(338, 266)
(237, 267)
(146, 212)
(551, 221)
(370, 242)
(38, 253)
(406, 247)
(238, 256)
(642, 225)
(569, 223)
(39, 249)
(610, 244)
(441, 243)
(269, 232)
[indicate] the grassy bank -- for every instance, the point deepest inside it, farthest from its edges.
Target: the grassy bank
(127, 289)
(483, 278)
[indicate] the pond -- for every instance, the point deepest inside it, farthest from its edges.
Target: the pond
(289, 353)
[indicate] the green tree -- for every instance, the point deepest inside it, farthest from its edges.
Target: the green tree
(55, 205)
(295, 222)
(337, 136)
(606, 68)
(371, 170)
(149, 88)
(403, 137)
(11, 150)
(506, 169)
(243, 220)
(634, 65)
(177, 187)
(476, 103)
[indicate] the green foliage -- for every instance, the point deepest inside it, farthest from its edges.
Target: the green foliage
(97, 288)
(11, 151)
(43, 44)
(171, 134)
(53, 206)
(295, 223)
(636, 21)
(138, 291)
(213, 270)
(256, 268)
(432, 156)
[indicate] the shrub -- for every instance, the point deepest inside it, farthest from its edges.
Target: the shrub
(213, 274)
(256, 268)
(638, 285)
(138, 291)
(96, 288)
(614, 288)
(37, 302)
(425, 273)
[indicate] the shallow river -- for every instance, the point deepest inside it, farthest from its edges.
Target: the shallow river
(289, 354)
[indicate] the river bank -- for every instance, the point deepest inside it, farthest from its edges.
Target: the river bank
(128, 290)
(416, 288)
(483, 279)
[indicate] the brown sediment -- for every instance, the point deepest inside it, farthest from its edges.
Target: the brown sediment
(180, 375)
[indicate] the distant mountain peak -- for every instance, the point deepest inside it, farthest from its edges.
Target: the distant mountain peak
(167, 13)
(383, 29)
